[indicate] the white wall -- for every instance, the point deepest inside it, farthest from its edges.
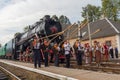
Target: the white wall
(118, 42)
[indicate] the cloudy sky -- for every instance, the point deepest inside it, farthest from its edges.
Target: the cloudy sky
(16, 14)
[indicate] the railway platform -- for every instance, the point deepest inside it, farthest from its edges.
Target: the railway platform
(61, 73)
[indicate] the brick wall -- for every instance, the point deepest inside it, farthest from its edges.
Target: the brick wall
(101, 40)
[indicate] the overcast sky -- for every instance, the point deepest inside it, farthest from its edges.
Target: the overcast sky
(16, 14)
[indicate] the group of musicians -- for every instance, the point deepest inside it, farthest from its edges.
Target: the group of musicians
(41, 50)
(98, 52)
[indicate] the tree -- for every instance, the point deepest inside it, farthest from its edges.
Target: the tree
(93, 12)
(0, 44)
(110, 9)
(17, 33)
(64, 20)
(84, 21)
(54, 17)
(26, 29)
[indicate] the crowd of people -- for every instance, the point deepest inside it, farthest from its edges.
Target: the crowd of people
(97, 53)
(42, 51)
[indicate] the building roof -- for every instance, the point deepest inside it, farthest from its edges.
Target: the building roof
(99, 29)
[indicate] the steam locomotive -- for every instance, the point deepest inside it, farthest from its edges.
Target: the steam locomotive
(45, 27)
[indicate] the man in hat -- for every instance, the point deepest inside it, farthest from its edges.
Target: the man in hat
(56, 50)
(79, 51)
(37, 53)
(87, 53)
(97, 50)
(67, 48)
(105, 52)
(45, 50)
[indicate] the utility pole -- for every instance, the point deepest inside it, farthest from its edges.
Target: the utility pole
(79, 30)
(68, 34)
(89, 33)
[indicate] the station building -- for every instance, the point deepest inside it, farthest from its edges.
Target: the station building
(104, 31)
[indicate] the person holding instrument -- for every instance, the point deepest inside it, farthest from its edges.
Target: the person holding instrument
(36, 50)
(45, 50)
(56, 50)
(67, 48)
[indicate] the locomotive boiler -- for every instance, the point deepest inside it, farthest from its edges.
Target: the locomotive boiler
(43, 28)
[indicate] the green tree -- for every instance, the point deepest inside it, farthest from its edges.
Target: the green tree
(54, 17)
(93, 12)
(64, 20)
(84, 21)
(17, 33)
(26, 29)
(110, 9)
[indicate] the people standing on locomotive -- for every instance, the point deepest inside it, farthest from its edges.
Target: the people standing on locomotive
(21, 56)
(24, 53)
(79, 51)
(56, 50)
(45, 50)
(67, 48)
(27, 54)
(97, 50)
(37, 52)
(31, 56)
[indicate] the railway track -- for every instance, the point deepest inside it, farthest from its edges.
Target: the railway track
(108, 67)
(3, 76)
(112, 66)
(24, 74)
(7, 75)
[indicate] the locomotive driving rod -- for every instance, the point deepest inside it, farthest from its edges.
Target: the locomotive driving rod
(59, 33)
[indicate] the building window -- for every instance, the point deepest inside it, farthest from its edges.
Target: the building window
(108, 43)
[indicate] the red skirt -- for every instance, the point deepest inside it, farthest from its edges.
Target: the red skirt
(106, 55)
(98, 56)
(91, 56)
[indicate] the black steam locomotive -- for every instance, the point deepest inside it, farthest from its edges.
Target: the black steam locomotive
(45, 27)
